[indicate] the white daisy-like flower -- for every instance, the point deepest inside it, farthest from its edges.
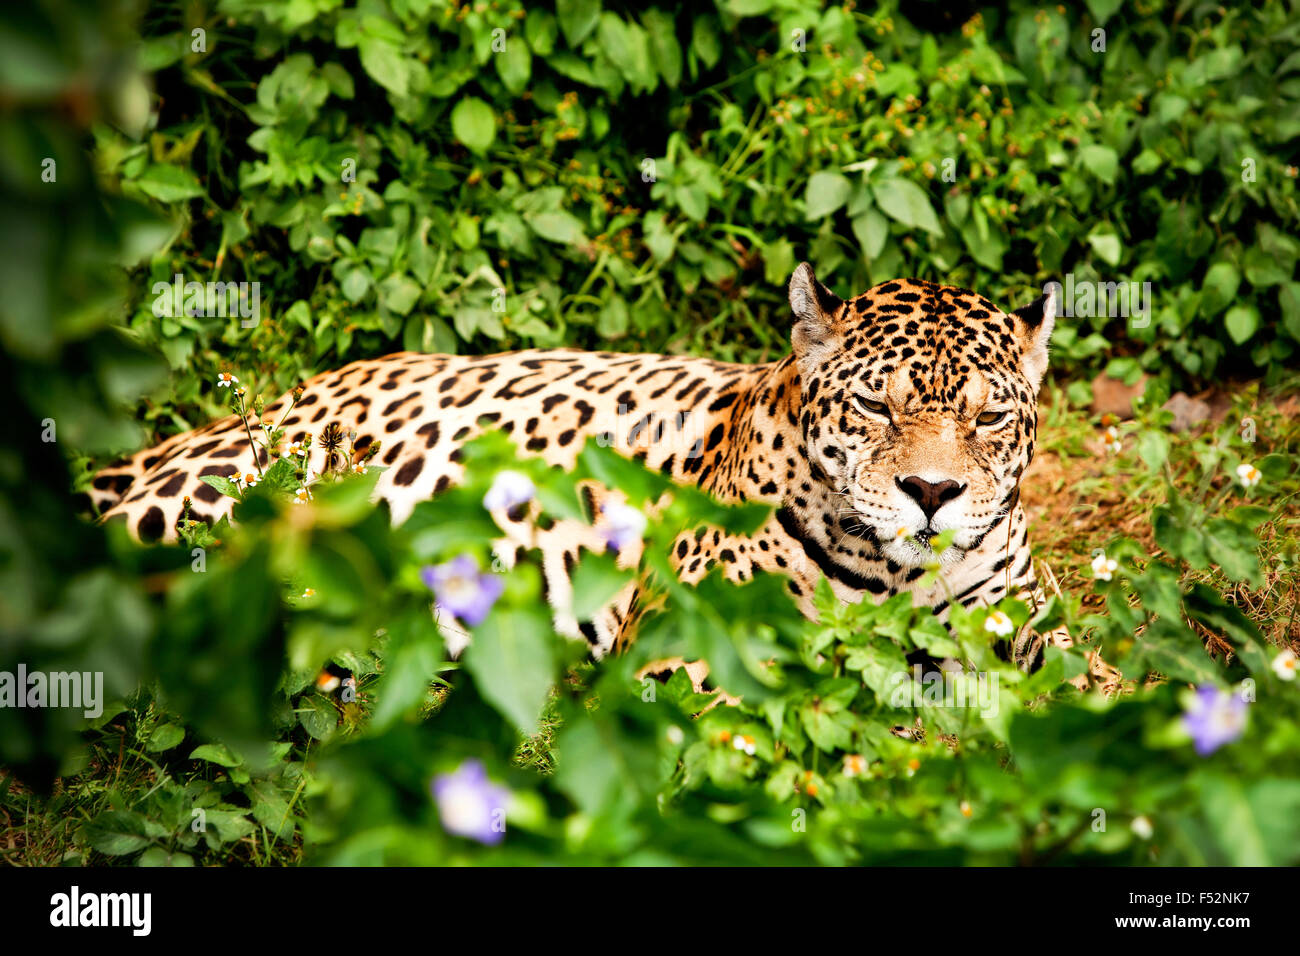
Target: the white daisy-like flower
(1112, 441)
(1103, 567)
(1248, 475)
(241, 391)
(1286, 664)
(301, 496)
(854, 765)
(359, 468)
(999, 623)
(250, 480)
(309, 592)
(295, 449)
(966, 809)
(267, 425)
(225, 380)
(1142, 827)
(744, 743)
(510, 489)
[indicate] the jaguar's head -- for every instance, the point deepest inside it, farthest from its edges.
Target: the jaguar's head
(918, 407)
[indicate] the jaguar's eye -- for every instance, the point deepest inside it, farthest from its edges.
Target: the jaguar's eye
(872, 407)
(990, 418)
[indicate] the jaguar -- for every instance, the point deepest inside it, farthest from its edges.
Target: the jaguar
(902, 417)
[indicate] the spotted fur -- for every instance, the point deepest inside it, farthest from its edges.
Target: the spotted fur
(900, 413)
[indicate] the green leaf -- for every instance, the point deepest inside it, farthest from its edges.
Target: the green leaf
(1103, 10)
(1219, 288)
(1255, 823)
(515, 65)
(1289, 303)
(704, 41)
(116, 832)
(230, 825)
(412, 660)
(556, 225)
(665, 50)
(1106, 244)
(871, 229)
(827, 192)
(165, 737)
(317, 716)
(1101, 161)
(399, 293)
(828, 724)
(612, 321)
(1147, 162)
(1241, 322)
(778, 261)
(216, 753)
(223, 485)
(474, 124)
(577, 19)
(168, 183)
(596, 580)
(1153, 448)
(157, 856)
(906, 202)
(1234, 548)
(383, 61)
(1207, 605)
(511, 661)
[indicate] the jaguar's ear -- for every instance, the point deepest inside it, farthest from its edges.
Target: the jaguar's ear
(814, 308)
(1034, 324)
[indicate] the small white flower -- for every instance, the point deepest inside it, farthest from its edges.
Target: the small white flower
(1112, 441)
(675, 735)
(250, 480)
(301, 496)
(510, 489)
(744, 743)
(225, 380)
(854, 765)
(1142, 827)
(1248, 475)
(1103, 567)
(359, 468)
(999, 624)
(1286, 664)
(309, 592)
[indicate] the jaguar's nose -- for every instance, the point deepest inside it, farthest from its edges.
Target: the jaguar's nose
(931, 496)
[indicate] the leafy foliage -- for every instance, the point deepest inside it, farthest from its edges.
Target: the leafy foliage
(444, 177)
(402, 175)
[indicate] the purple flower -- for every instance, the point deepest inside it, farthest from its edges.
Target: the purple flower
(470, 805)
(621, 525)
(510, 489)
(461, 589)
(1214, 717)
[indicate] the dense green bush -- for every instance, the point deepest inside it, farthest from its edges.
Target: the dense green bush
(645, 179)
(468, 177)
